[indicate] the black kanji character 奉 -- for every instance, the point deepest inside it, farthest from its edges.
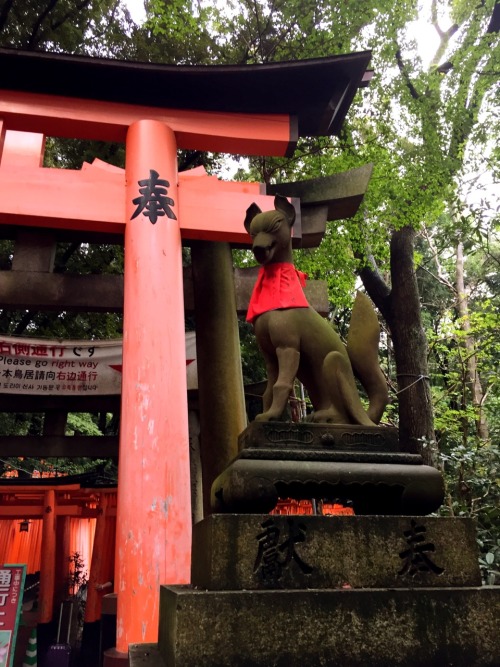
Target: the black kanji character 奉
(154, 202)
(416, 556)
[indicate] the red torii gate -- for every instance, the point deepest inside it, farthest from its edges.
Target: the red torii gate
(154, 207)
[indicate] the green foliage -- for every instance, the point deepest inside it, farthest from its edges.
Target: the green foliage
(472, 476)
(176, 32)
(93, 27)
(333, 262)
(72, 153)
(81, 423)
(251, 360)
(470, 460)
(6, 253)
(78, 423)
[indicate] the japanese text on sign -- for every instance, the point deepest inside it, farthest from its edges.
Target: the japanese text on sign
(29, 366)
(44, 367)
(11, 596)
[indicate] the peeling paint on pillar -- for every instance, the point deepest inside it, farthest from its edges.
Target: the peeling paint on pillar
(153, 513)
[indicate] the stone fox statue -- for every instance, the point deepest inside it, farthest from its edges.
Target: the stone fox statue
(297, 342)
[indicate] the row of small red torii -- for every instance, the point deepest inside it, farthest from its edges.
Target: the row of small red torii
(154, 206)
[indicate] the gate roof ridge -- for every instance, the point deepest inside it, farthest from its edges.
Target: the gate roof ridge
(318, 91)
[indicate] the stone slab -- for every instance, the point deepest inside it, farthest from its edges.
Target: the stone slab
(287, 454)
(343, 628)
(255, 551)
(145, 655)
(254, 485)
(326, 437)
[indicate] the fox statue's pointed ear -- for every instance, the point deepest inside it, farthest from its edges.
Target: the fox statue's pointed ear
(283, 205)
(252, 211)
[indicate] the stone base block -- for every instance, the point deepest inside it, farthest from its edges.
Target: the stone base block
(255, 551)
(341, 628)
(145, 655)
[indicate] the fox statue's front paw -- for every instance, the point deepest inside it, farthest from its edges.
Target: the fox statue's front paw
(269, 416)
(329, 416)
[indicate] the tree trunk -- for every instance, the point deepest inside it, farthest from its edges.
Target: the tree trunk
(416, 418)
(400, 307)
(477, 394)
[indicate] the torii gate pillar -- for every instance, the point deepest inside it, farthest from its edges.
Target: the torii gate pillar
(152, 547)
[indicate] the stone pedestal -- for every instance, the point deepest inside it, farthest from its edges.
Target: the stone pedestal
(387, 587)
(360, 463)
(347, 591)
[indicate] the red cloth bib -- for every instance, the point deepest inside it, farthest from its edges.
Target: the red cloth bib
(278, 286)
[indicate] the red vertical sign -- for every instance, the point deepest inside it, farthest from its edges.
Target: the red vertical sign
(11, 598)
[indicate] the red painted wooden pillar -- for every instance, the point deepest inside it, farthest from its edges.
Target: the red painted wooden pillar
(63, 546)
(2, 137)
(97, 576)
(153, 535)
(47, 567)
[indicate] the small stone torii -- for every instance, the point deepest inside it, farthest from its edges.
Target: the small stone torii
(253, 110)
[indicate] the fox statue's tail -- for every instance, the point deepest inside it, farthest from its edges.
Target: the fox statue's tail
(362, 348)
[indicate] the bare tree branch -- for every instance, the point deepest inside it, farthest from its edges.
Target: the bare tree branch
(376, 287)
(406, 77)
(70, 14)
(35, 36)
(435, 256)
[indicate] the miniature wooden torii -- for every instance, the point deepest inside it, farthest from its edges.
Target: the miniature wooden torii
(154, 207)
